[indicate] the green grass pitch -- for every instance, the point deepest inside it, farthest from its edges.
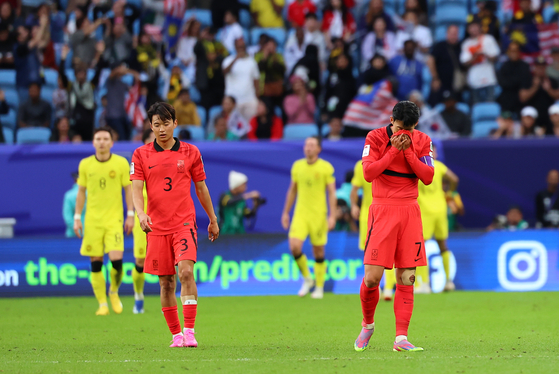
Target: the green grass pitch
(462, 332)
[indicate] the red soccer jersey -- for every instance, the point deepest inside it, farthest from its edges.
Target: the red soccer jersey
(296, 12)
(390, 170)
(167, 175)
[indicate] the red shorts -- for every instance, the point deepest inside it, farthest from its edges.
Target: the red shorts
(395, 236)
(163, 252)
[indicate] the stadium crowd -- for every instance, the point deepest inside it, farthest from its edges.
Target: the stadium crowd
(273, 69)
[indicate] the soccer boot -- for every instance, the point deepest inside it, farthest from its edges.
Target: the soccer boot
(103, 310)
(308, 283)
(189, 339)
(178, 341)
(362, 340)
(138, 307)
(449, 286)
(423, 288)
(387, 294)
(405, 346)
(115, 302)
(318, 293)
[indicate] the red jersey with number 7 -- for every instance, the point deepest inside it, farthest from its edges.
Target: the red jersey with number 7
(167, 175)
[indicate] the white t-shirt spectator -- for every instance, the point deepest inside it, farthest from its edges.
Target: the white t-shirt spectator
(292, 53)
(482, 72)
(421, 35)
(370, 47)
(185, 50)
(239, 83)
(317, 38)
(229, 34)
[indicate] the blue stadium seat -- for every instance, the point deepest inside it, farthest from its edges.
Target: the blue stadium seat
(51, 78)
(195, 94)
(440, 32)
(325, 130)
(202, 15)
(33, 135)
(245, 19)
(451, 13)
(202, 114)
(7, 78)
(11, 97)
(464, 3)
(426, 89)
(463, 107)
(485, 112)
(196, 132)
(299, 131)
(277, 33)
(548, 13)
(8, 135)
(482, 129)
(46, 93)
(10, 119)
(128, 79)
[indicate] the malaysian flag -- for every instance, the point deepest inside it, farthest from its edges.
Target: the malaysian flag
(535, 40)
(174, 12)
(372, 107)
(134, 107)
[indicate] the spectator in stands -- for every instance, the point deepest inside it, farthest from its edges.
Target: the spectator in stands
(419, 7)
(26, 59)
(147, 58)
(272, 71)
(408, 71)
(308, 67)
(218, 9)
(35, 112)
(444, 64)
(117, 90)
(540, 92)
(314, 36)
(552, 70)
(547, 202)
(4, 109)
(209, 75)
(479, 53)
(83, 41)
(300, 106)
(231, 31)
(185, 49)
(267, 13)
(46, 50)
(379, 41)
(554, 117)
(126, 14)
(487, 19)
(457, 121)
(6, 47)
(119, 43)
(525, 15)
(175, 83)
(60, 98)
(508, 128)
(337, 22)
(378, 70)
(294, 48)
(265, 125)
(186, 111)
(103, 116)
(344, 222)
(511, 76)
(512, 221)
(528, 127)
(340, 87)
(7, 16)
(236, 124)
(62, 132)
(336, 129)
(221, 132)
(414, 31)
(298, 10)
(376, 9)
(239, 71)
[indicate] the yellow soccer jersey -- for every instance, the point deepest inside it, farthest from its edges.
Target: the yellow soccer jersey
(359, 181)
(104, 182)
(311, 183)
(432, 198)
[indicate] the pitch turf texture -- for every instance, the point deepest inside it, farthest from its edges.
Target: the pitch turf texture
(462, 332)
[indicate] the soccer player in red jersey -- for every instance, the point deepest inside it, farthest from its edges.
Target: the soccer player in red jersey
(167, 167)
(394, 159)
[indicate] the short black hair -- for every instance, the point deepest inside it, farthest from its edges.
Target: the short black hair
(311, 15)
(232, 99)
(34, 84)
(407, 112)
(349, 176)
(165, 111)
(146, 134)
(318, 140)
(183, 91)
(104, 128)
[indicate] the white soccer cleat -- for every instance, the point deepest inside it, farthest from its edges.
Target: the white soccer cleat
(423, 288)
(308, 283)
(449, 286)
(387, 294)
(318, 293)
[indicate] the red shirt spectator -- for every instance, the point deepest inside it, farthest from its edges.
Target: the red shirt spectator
(265, 125)
(338, 22)
(298, 10)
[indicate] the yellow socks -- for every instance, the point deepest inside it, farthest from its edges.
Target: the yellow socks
(303, 266)
(138, 279)
(116, 279)
(99, 287)
(421, 275)
(389, 279)
(319, 273)
(446, 263)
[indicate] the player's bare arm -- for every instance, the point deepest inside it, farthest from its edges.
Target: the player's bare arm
(452, 178)
(354, 199)
(206, 201)
(80, 202)
(129, 222)
(289, 201)
(138, 202)
(332, 201)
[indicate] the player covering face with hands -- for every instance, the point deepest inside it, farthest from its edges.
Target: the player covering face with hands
(395, 158)
(167, 167)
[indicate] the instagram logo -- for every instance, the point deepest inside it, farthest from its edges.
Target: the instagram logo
(522, 265)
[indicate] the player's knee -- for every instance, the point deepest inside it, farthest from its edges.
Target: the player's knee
(117, 264)
(139, 269)
(186, 275)
(140, 262)
(408, 277)
(297, 254)
(96, 266)
(372, 280)
(167, 284)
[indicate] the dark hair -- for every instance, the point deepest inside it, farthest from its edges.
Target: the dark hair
(515, 207)
(34, 84)
(311, 15)
(165, 111)
(349, 176)
(344, 9)
(407, 112)
(318, 140)
(104, 128)
(146, 134)
(79, 22)
(232, 99)
(183, 90)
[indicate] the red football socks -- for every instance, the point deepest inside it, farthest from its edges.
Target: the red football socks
(172, 317)
(189, 312)
(369, 301)
(403, 308)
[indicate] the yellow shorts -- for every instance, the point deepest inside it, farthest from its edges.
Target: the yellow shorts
(317, 230)
(140, 242)
(435, 225)
(363, 227)
(100, 240)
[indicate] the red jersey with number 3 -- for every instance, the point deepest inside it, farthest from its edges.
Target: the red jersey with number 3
(167, 175)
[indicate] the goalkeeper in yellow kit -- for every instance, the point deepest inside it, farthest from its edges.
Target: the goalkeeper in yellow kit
(311, 177)
(433, 205)
(361, 213)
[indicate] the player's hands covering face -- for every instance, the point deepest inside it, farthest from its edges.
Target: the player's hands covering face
(400, 142)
